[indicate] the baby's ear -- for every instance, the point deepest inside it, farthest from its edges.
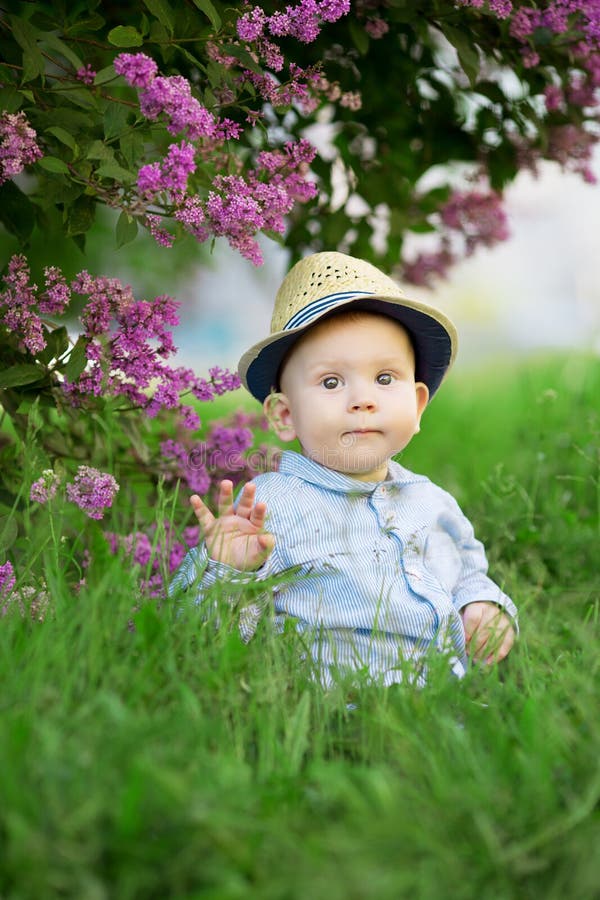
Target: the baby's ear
(422, 400)
(279, 416)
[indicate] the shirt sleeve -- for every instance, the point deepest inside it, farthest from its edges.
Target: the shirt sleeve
(474, 584)
(198, 573)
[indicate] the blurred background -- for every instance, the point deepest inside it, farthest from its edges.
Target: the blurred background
(539, 290)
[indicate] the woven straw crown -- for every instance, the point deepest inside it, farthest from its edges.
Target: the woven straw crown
(324, 283)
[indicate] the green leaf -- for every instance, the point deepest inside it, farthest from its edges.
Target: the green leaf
(64, 137)
(241, 54)
(132, 148)
(80, 216)
(57, 342)
(53, 164)
(359, 36)
(468, 55)
(26, 36)
(126, 230)
(93, 22)
(116, 172)
(77, 360)
(26, 373)
(82, 97)
(115, 119)
(125, 36)
(17, 212)
(10, 99)
(52, 40)
(33, 66)
(106, 74)
(209, 10)
(163, 12)
(99, 150)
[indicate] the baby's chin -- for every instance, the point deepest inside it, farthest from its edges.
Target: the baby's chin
(372, 469)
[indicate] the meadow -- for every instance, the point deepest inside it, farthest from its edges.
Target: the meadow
(149, 753)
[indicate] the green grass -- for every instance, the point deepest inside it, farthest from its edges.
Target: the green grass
(145, 754)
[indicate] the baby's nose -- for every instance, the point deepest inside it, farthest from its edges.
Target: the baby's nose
(362, 402)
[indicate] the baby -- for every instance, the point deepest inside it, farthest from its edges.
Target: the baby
(386, 566)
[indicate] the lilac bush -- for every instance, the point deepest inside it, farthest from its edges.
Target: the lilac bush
(196, 120)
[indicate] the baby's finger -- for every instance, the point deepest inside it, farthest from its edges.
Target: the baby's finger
(202, 512)
(225, 498)
(508, 639)
(245, 504)
(257, 514)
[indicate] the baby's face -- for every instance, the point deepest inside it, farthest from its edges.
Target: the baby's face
(348, 393)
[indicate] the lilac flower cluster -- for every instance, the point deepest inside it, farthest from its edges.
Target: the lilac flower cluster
(126, 340)
(57, 296)
(171, 97)
(501, 8)
(7, 579)
(25, 600)
(235, 207)
(376, 28)
(92, 491)
(18, 145)
(156, 557)
(86, 74)
(171, 174)
(17, 302)
(477, 217)
(577, 25)
(45, 488)
(302, 21)
(226, 452)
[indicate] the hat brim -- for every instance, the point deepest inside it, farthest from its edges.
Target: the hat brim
(432, 334)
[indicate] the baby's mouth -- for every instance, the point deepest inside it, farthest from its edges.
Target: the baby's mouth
(357, 433)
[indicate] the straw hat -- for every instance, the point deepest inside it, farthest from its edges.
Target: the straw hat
(324, 283)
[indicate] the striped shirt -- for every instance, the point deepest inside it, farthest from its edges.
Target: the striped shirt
(380, 570)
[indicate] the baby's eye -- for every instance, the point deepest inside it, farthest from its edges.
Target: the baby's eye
(384, 378)
(330, 382)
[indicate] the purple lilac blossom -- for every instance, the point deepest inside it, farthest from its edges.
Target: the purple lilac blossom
(426, 266)
(160, 234)
(16, 306)
(376, 28)
(137, 69)
(44, 489)
(18, 145)
(57, 295)
(171, 96)
(479, 216)
(7, 579)
(128, 341)
(156, 555)
(171, 174)
(86, 74)
(92, 491)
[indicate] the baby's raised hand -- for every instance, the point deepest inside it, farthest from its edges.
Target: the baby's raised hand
(235, 537)
(488, 630)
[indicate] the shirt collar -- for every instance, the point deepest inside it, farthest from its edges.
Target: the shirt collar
(293, 463)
